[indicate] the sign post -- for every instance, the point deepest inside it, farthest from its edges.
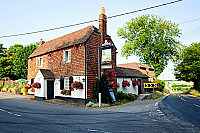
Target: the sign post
(150, 85)
(105, 62)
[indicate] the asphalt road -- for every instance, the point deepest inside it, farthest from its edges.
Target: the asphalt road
(20, 114)
(183, 106)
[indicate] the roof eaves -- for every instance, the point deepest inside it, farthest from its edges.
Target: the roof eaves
(56, 50)
(133, 76)
(94, 29)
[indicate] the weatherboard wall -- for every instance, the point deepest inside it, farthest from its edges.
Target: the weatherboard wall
(131, 89)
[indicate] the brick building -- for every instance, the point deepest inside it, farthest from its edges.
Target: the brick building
(57, 63)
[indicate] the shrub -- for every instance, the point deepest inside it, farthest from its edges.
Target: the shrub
(94, 100)
(161, 84)
(1, 85)
(21, 85)
(166, 91)
(5, 88)
(102, 88)
(13, 90)
(23, 90)
(120, 95)
(18, 91)
(194, 92)
(124, 98)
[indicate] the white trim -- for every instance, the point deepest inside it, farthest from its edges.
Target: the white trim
(38, 62)
(67, 56)
(66, 83)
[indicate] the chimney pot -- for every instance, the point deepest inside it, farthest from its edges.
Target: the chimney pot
(103, 25)
(102, 10)
(41, 42)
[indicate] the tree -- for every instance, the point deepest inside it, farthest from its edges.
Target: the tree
(20, 62)
(13, 49)
(153, 39)
(188, 68)
(102, 88)
(2, 51)
(6, 61)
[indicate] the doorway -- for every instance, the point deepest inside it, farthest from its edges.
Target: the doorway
(139, 87)
(50, 89)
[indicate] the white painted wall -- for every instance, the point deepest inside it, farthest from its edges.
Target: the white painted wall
(40, 92)
(130, 89)
(77, 93)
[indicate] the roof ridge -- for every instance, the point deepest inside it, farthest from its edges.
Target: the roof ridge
(72, 33)
(76, 37)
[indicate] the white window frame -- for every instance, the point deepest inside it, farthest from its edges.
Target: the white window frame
(66, 83)
(67, 56)
(39, 63)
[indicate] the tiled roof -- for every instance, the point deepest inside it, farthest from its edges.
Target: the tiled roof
(48, 74)
(134, 65)
(76, 37)
(149, 70)
(128, 72)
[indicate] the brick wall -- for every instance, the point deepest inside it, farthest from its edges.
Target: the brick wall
(55, 63)
(92, 63)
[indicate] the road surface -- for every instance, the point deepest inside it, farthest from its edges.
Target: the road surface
(19, 114)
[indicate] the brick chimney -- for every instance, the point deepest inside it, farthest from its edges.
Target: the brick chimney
(103, 25)
(41, 42)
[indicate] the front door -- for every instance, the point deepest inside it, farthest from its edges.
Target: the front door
(50, 89)
(139, 87)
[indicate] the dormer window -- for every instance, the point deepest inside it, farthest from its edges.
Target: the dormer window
(67, 56)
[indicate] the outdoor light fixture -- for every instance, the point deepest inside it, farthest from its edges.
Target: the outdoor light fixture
(83, 80)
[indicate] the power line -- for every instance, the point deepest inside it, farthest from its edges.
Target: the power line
(189, 21)
(191, 33)
(114, 16)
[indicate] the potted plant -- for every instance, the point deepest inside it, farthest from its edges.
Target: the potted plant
(125, 83)
(77, 85)
(65, 92)
(36, 85)
(136, 83)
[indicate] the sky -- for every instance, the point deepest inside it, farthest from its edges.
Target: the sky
(21, 16)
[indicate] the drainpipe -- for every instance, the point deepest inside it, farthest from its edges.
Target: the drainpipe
(85, 72)
(99, 73)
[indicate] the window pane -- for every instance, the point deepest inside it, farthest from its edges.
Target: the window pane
(67, 56)
(66, 82)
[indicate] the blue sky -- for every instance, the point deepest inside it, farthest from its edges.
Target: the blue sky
(20, 16)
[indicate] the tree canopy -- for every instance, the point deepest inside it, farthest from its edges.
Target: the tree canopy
(153, 39)
(188, 68)
(2, 50)
(20, 62)
(14, 61)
